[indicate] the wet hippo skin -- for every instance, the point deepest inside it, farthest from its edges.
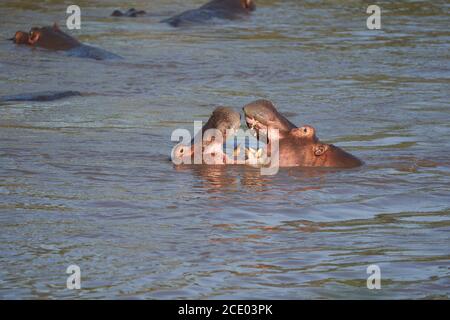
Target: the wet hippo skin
(219, 9)
(41, 96)
(53, 38)
(226, 120)
(132, 13)
(302, 148)
(297, 146)
(264, 112)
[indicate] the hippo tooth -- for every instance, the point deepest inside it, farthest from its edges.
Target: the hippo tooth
(259, 153)
(249, 152)
(237, 151)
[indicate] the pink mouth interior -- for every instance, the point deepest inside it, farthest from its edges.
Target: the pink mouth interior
(254, 123)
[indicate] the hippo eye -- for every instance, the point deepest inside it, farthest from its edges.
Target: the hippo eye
(305, 130)
(181, 150)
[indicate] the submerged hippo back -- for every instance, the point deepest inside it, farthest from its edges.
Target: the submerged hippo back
(221, 9)
(236, 6)
(86, 51)
(41, 96)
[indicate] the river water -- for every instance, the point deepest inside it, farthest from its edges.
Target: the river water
(86, 180)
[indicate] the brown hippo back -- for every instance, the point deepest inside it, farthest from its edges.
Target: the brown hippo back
(241, 6)
(220, 9)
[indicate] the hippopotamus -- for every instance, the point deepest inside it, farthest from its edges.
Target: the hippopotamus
(209, 149)
(296, 146)
(261, 112)
(41, 96)
(53, 38)
(132, 13)
(220, 9)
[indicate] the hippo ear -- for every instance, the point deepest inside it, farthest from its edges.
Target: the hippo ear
(320, 149)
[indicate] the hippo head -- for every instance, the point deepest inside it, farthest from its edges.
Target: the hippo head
(303, 148)
(262, 115)
(51, 37)
(234, 5)
(223, 119)
(129, 13)
(328, 155)
(117, 13)
(306, 133)
(20, 37)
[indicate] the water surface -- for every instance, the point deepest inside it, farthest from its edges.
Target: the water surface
(86, 180)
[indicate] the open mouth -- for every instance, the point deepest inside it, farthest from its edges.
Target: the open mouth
(254, 124)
